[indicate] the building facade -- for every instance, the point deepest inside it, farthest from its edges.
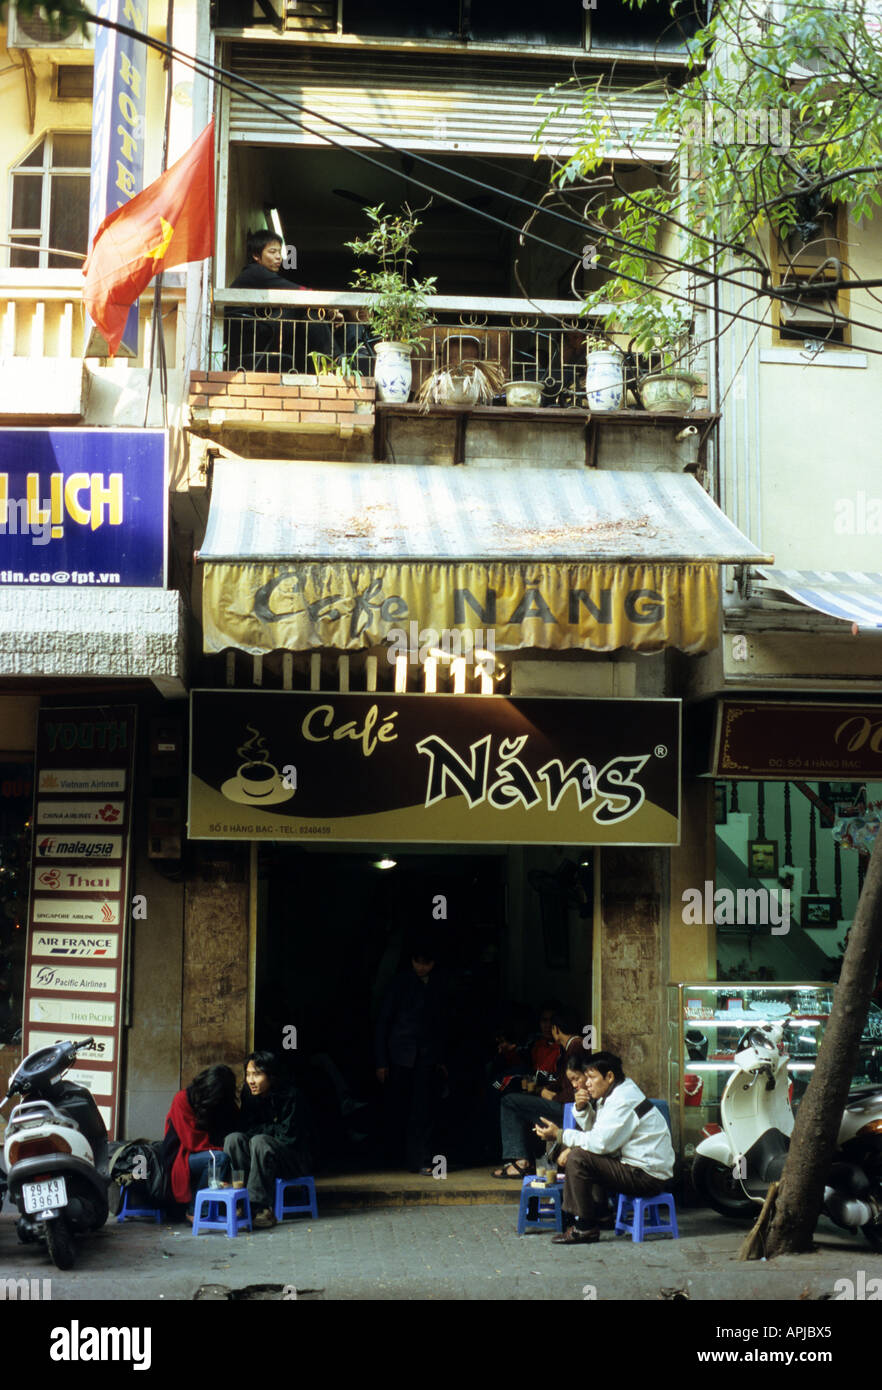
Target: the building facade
(496, 645)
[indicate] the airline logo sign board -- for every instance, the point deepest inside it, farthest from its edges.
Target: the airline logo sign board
(75, 975)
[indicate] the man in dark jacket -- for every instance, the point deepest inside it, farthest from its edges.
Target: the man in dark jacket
(266, 338)
(411, 1047)
(274, 1138)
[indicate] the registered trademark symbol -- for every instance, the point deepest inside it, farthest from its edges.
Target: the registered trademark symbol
(661, 751)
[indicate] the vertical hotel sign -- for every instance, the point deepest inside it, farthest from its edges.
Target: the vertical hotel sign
(118, 129)
(76, 956)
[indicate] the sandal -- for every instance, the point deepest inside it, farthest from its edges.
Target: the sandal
(517, 1176)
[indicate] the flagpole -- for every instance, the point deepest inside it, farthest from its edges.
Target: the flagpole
(157, 330)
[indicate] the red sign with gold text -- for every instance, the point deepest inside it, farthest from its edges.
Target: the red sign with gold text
(798, 739)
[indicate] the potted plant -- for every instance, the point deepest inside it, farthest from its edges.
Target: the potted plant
(658, 327)
(605, 376)
(468, 382)
(397, 310)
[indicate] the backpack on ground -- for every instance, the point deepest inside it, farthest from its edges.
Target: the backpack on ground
(137, 1166)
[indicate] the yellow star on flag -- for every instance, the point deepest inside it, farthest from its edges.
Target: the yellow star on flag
(159, 251)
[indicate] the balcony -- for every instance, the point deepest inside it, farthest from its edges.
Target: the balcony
(43, 374)
(267, 349)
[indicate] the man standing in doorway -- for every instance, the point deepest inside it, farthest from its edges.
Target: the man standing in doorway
(411, 1048)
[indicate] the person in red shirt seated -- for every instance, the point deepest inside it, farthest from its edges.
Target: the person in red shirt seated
(514, 1066)
(198, 1121)
(518, 1112)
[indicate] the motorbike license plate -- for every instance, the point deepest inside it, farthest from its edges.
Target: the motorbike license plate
(44, 1196)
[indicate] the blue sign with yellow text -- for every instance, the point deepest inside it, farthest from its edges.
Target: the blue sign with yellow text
(83, 508)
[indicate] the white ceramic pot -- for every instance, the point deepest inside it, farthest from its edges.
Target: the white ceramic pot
(393, 372)
(605, 381)
(669, 393)
(523, 393)
(457, 388)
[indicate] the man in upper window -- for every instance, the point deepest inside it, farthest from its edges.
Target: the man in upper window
(277, 338)
(264, 254)
(622, 1145)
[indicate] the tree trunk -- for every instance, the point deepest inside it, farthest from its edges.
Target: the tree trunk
(801, 1190)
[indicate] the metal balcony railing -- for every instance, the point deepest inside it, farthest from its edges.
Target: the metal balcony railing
(278, 332)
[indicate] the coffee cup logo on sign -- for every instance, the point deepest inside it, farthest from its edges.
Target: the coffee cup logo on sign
(257, 781)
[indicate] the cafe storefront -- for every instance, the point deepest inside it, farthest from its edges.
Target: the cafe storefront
(425, 669)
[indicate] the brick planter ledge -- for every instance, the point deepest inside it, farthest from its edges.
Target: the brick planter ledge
(265, 400)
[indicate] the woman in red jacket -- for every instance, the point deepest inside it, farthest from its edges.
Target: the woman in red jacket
(197, 1123)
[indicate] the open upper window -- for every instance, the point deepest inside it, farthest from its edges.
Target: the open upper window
(50, 202)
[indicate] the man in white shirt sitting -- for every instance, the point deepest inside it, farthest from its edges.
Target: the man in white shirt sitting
(622, 1145)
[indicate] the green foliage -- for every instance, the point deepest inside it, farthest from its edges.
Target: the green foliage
(342, 366)
(776, 113)
(56, 11)
(397, 308)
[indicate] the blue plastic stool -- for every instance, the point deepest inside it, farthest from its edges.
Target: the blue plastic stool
(549, 1211)
(212, 1198)
(125, 1210)
(646, 1216)
(282, 1208)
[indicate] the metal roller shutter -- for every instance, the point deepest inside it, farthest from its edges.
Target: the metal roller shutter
(426, 102)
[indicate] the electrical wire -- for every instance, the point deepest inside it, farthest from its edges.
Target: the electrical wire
(226, 79)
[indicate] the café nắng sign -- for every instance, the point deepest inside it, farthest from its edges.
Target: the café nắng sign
(327, 767)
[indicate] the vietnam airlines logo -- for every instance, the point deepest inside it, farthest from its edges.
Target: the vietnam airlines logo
(108, 813)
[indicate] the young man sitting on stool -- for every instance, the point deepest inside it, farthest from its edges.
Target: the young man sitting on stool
(623, 1145)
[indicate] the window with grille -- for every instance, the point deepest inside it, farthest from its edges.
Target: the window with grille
(50, 202)
(808, 259)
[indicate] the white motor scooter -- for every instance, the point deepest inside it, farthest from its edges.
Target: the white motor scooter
(735, 1165)
(55, 1153)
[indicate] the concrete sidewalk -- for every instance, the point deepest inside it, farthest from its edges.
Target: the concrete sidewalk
(432, 1253)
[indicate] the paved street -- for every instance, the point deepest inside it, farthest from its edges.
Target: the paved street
(433, 1252)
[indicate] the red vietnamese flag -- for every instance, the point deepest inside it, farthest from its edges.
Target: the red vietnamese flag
(170, 223)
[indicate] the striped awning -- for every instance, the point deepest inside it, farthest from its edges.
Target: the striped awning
(271, 510)
(305, 555)
(855, 596)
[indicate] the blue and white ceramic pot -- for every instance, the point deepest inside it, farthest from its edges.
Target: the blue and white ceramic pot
(605, 381)
(393, 372)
